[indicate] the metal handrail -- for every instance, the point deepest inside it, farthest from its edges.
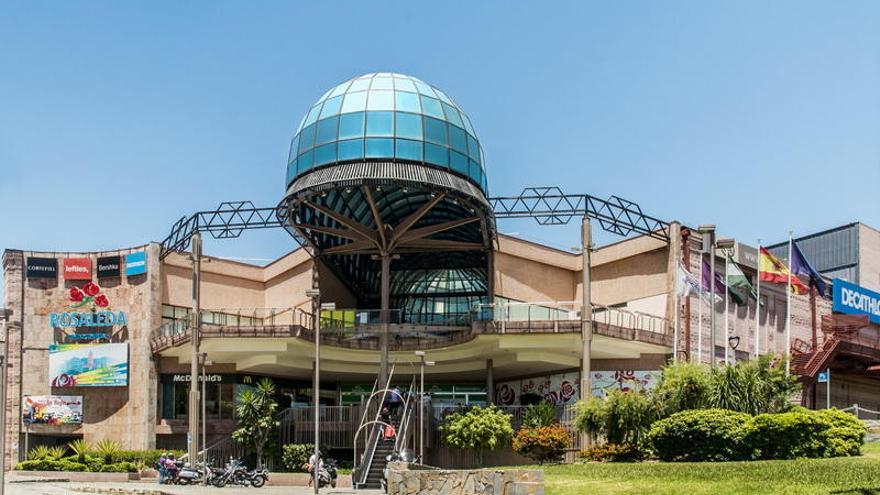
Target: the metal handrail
(405, 419)
(368, 454)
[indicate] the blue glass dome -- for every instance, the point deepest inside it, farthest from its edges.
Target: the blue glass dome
(384, 116)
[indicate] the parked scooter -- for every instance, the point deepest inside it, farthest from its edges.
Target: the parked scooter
(326, 475)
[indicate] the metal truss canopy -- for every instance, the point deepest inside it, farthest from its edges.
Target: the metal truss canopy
(547, 205)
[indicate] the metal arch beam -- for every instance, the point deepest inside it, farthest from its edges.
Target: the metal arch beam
(422, 232)
(380, 225)
(550, 206)
(417, 215)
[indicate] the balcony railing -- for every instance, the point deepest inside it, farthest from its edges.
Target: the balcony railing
(527, 314)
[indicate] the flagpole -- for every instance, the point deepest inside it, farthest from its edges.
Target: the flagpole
(700, 322)
(726, 312)
(758, 305)
(788, 312)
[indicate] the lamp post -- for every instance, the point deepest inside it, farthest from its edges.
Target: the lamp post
(195, 322)
(4, 318)
(728, 247)
(423, 363)
(733, 343)
(708, 233)
(205, 364)
(315, 295)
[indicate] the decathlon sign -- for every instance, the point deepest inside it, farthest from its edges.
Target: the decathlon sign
(852, 299)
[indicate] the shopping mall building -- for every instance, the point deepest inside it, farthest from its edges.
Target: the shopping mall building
(387, 202)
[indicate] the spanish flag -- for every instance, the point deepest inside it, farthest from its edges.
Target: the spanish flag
(774, 271)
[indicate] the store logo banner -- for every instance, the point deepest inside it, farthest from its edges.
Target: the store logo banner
(77, 268)
(136, 263)
(852, 299)
(109, 266)
(42, 268)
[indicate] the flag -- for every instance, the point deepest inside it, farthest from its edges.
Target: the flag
(719, 281)
(738, 285)
(687, 284)
(800, 266)
(774, 271)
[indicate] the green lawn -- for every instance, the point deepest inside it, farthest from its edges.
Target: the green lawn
(851, 475)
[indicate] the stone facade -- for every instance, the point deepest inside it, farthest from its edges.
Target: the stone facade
(404, 479)
(125, 414)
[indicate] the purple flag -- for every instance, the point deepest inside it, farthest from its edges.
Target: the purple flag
(800, 266)
(707, 276)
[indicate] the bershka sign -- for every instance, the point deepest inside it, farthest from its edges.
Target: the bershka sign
(849, 298)
(42, 268)
(109, 266)
(77, 268)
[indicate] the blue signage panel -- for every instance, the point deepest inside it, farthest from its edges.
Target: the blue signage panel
(135, 263)
(852, 299)
(823, 377)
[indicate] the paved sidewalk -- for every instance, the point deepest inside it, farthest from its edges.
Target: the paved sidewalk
(141, 488)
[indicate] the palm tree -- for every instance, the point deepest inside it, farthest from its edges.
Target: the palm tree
(257, 417)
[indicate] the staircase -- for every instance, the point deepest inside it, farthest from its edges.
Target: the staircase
(380, 459)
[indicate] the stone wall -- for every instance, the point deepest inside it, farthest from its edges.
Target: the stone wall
(404, 479)
(125, 414)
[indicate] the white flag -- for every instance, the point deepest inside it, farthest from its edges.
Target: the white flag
(687, 284)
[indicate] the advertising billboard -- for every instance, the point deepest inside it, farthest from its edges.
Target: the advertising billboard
(42, 267)
(52, 409)
(88, 365)
(109, 266)
(77, 268)
(135, 263)
(852, 299)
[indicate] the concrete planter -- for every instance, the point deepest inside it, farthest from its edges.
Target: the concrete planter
(77, 476)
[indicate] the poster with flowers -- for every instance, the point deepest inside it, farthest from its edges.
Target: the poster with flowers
(557, 389)
(626, 380)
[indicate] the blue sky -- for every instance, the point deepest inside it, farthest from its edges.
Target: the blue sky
(118, 118)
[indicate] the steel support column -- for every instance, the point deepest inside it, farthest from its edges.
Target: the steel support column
(195, 319)
(385, 317)
(586, 314)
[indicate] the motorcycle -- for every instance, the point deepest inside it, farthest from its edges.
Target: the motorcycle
(236, 473)
(326, 475)
(257, 477)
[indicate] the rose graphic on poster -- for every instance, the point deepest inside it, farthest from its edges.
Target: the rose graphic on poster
(604, 382)
(505, 395)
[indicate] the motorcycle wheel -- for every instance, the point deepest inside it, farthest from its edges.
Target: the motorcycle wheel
(258, 481)
(333, 483)
(220, 482)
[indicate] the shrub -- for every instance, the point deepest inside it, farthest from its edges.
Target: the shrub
(701, 435)
(788, 435)
(50, 465)
(296, 455)
(119, 467)
(146, 458)
(845, 436)
(755, 387)
(479, 429)
(683, 386)
(629, 416)
(590, 416)
(38, 453)
(612, 452)
(108, 450)
(543, 414)
(81, 448)
(541, 443)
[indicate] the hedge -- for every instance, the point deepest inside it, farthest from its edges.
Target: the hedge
(722, 435)
(701, 435)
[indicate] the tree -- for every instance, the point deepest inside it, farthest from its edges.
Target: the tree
(755, 387)
(622, 417)
(479, 429)
(257, 417)
(683, 386)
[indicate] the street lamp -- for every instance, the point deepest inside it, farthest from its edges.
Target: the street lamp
(728, 247)
(422, 363)
(4, 318)
(707, 232)
(315, 295)
(205, 364)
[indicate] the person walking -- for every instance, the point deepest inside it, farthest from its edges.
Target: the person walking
(160, 466)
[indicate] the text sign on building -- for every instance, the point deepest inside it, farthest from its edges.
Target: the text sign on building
(77, 268)
(109, 266)
(136, 263)
(849, 298)
(42, 268)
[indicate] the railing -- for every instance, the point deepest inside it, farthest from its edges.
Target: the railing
(362, 469)
(859, 412)
(337, 425)
(518, 313)
(405, 430)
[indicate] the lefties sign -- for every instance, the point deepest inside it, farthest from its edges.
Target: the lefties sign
(852, 299)
(77, 268)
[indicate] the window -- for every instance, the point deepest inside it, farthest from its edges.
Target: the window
(339, 90)
(325, 154)
(294, 148)
(407, 102)
(331, 107)
(355, 102)
(473, 148)
(291, 170)
(361, 84)
(381, 83)
(380, 148)
(305, 161)
(435, 131)
(409, 125)
(351, 150)
(438, 155)
(457, 139)
(431, 107)
(313, 114)
(351, 125)
(451, 114)
(380, 124)
(402, 84)
(327, 130)
(307, 138)
(458, 162)
(408, 150)
(476, 172)
(380, 100)
(424, 88)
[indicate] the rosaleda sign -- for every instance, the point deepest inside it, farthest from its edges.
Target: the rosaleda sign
(852, 299)
(90, 308)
